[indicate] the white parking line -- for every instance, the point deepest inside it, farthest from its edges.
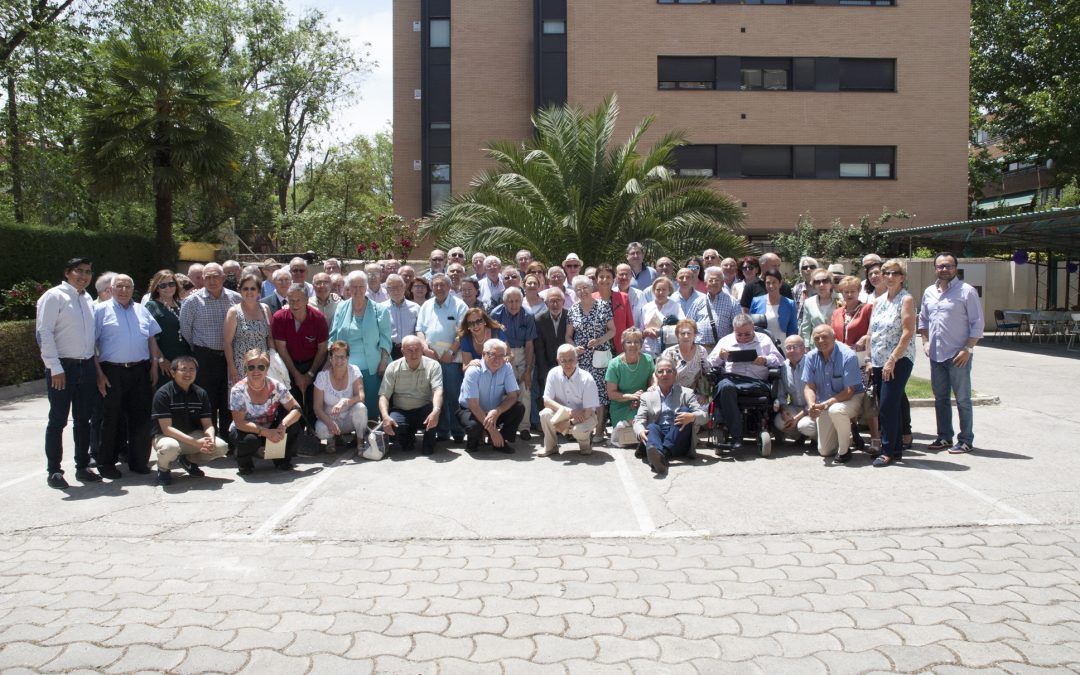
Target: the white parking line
(16, 481)
(287, 509)
(637, 503)
(1020, 516)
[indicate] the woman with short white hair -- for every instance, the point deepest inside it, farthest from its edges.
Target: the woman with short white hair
(365, 326)
(590, 326)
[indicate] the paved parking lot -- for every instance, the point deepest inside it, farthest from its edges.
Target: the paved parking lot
(486, 562)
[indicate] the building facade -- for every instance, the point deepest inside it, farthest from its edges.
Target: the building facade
(836, 108)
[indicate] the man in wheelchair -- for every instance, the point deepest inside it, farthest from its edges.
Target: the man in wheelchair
(743, 359)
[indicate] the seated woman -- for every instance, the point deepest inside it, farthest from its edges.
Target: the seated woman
(339, 400)
(259, 404)
(689, 358)
(628, 376)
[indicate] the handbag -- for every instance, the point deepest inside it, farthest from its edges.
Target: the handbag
(601, 358)
(277, 370)
(375, 448)
(623, 435)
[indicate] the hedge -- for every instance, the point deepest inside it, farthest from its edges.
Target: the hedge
(37, 252)
(20, 358)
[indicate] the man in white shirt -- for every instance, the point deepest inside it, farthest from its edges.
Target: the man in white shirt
(325, 299)
(437, 323)
(491, 285)
(403, 313)
(687, 294)
(624, 276)
(570, 402)
(741, 374)
(376, 292)
(299, 271)
(65, 334)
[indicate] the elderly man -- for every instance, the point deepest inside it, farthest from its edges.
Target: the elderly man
(556, 278)
(298, 269)
(667, 418)
(301, 334)
(65, 333)
(436, 264)
(732, 284)
(325, 299)
(331, 266)
(403, 313)
(195, 273)
(437, 323)
(202, 324)
(456, 255)
(455, 272)
(389, 266)
(550, 333)
(478, 260)
(281, 280)
(714, 310)
(642, 275)
(411, 397)
(834, 392)
(570, 402)
(769, 261)
(267, 268)
(337, 285)
(711, 258)
(748, 374)
(185, 423)
(408, 275)
(128, 364)
(951, 324)
(624, 276)
(793, 420)
(523, 258)
(511, 278)
(233, 271)
(572, 267)
(665, 267)
(103, 287)
(687, 296)
(376, 292)
(489, 401)
(520, 328)
(492, 286)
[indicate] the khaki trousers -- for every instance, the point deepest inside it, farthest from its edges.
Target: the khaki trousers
(525, 395)
(168, 449)
(805, 426)
(834, 425)
(582, 432)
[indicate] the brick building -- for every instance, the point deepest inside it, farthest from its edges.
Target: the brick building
(832, 107)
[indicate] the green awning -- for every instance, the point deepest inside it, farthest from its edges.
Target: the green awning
(994, 203)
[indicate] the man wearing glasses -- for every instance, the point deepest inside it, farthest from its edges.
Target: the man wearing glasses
(951, 324)
(65, 333)
(185, 423)
(489, 401)
(523, 258)
(436, 264)
(298, 270)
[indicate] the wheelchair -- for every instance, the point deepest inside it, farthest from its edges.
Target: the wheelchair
(757, 409)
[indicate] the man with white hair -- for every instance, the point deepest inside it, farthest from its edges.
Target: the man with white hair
(298, 270)
(741, 375)
(667, 418)
(793, 420)
(456, 255)
(570, 403)
(337, 285)
(478, 260)
(331, 266)
(520, 328)
(489, 401)
(127, 370)
(411, 396)
(733, 286)
(325, 299)
(403, 313)
(233, 272)
(408, 275)
(375, 291)
(195, 273)
(556, 277)
(436, 263)
(389, 266)
(281, 279)
(455, 273)
(492, 286)
(202, 324)
(714, 310)
(523, 258)
(437, 323)
(103, 286)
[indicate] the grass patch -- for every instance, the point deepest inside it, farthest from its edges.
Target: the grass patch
(919, 387)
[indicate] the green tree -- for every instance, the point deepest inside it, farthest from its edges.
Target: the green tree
(1024, 76)
(569, 189)
(158, 120)
(838, 242)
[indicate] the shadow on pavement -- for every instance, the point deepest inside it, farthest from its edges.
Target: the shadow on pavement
(183, 483)
(1045, 349)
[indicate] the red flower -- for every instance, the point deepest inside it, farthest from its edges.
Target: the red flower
(360, 248)
(407, 243)
(374, 246)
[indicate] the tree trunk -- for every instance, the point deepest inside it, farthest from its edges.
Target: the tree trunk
(15, 150)
(163, 214)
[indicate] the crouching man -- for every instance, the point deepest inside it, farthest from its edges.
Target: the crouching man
(793, 421)
(570, 402)
(667, 418)
(185, 423)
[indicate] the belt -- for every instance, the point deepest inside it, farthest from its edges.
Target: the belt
(215, 352)
(129, 364)
(77, 362)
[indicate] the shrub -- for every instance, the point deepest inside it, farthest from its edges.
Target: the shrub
(37, 252)
(20, 301)
(20, 358)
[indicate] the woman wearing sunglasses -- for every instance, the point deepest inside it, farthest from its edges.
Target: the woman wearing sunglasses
(247, 327)
(477, 328)
(164, 306)
(262, 410)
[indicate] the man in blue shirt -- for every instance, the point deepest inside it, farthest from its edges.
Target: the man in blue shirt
(437, 322)
(128, 364)
(520, 329)
(643, 275)
(834, 392)
(489, 401)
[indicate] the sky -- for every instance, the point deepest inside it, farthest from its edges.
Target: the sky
(361, 21)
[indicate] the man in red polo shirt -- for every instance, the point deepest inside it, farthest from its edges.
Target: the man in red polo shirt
(300, 336)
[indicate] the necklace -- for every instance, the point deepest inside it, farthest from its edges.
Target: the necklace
(633, 368)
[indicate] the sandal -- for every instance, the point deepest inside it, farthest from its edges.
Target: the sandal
(884, 460)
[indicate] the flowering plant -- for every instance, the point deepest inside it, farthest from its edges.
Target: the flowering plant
(20, 301)
(386, 236)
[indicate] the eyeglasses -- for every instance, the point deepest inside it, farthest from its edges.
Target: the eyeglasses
(458, 255)
(944, 267)
(256, 366)
(693, 267)
(189, 286)
(495, 355)
(510, 277)
(749, 267)
(574, 265)
(166, 284)
(664, 371)
(475, 322)
(184, 369)
(822, 282)
(893, 273)
(808, 267)
(246, 288)
(297, 270)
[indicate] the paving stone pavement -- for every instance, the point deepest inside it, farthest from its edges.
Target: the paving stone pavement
(948, 600)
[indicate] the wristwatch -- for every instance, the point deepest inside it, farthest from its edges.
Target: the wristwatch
(161, 359)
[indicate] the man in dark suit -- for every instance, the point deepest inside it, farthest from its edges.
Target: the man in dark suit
(550, 333)
(281, 279)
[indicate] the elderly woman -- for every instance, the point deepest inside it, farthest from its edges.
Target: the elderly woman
(851, 323)
(590, 327)
(892, 356)
(532, 302)
(779, 312)
(262, 410)
(420, 291)
(475, 329)
(657, 312)
(873, 288)
(339, 400)
(819, 306)
(470, 293)
(164, 306)
(689, 358)
(365, 326)
(184, 285)
(805, 288)
(247, 327)
(628, 376)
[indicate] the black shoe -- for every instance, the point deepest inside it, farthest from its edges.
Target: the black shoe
(110, 472)
(141, 470)
(56, 480)
(736, 445)
(458, 439)
(190, 467)
(284, 465)
(524, 434)
(640, 452)
(164, 477)
(657, 460)
(506, 449)
(471, 446)
(245, 470)
(87, 476)
(428, 450)
(842, 459)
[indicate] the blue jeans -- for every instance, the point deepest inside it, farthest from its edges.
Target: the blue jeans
(946, 376)
(669, 438)
(538, 397)
(890, 401)
(449, 424)
(79, 397)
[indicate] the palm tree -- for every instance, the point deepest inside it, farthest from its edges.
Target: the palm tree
(563, 190)
(158, 117)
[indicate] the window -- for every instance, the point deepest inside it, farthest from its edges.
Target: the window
(695, 160)
(862, 3)
(440, 183)
(439, 33)
(866, 162)
(820, 162)
(554, 27)
(767, 74)
(867, 75)
(766, 161)
(686, 72)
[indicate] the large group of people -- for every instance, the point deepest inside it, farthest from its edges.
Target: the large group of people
(243, 361)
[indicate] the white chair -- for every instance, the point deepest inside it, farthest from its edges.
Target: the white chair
(1072, 329)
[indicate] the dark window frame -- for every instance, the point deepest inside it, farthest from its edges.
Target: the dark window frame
(784, 3)
(803, 162)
